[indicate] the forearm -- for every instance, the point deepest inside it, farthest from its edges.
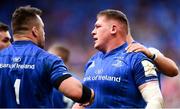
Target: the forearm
(152, 95)
(166, 65)
(153, 105)
(72, 88)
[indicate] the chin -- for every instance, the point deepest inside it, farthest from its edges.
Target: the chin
(95, 46)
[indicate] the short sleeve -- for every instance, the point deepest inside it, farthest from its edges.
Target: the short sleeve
(144, 70)
(57, 69)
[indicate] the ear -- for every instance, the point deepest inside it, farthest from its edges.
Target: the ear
(34, 31)
(113, 29)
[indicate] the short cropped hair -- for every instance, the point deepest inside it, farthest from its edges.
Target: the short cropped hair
(3, 27)
(116, 15)
(24, 18)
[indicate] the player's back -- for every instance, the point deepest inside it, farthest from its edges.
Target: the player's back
(24, 77)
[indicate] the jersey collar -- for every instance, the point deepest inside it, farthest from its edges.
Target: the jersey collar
(22, 42)
(121, 48)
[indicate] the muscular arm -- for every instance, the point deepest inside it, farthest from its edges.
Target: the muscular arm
(73, 89)
(164, 64)
(152, 95)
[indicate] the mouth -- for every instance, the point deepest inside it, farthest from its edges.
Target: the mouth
(95, 39)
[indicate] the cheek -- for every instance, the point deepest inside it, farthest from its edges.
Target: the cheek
(42, 32)
(102, 35)
(3, 45)
(42, 35)
(7, 44)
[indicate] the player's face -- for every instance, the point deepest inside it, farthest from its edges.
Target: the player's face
(101, 33)
(41, 34)
(4, 39)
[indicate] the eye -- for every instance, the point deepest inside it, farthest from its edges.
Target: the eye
(97, 26)
(6, 40)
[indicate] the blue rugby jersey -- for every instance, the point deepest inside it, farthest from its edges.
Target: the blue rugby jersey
(58, 100)
(116, 76)
(27, 75)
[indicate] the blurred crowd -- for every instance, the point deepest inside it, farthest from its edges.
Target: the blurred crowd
(154, 23)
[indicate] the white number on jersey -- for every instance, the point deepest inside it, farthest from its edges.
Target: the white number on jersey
(16, 88)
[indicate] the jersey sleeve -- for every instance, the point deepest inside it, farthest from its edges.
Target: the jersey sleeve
(144, 70)
(57, 71)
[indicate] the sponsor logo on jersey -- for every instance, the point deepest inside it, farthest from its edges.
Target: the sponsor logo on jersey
(102, 78)
(17, 66)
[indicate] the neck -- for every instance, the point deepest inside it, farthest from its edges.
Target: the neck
(129, 38)
(114, 44)
(25, 37)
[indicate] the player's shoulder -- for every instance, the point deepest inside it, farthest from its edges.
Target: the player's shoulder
(92, 59)
(135, 56)
(46, 55)
(5, 51)
(48, 59)
(96, 55)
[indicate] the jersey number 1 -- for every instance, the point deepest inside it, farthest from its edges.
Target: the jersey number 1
(16, 88)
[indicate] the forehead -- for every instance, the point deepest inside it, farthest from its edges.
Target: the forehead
(105, 20)
(101, 19)
(4, 34)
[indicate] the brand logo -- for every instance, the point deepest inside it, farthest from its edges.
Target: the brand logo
(16, 59)
(99, 71)
(92, 64)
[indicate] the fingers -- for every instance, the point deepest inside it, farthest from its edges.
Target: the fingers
(77, 106)
(135, 47)
(138, 50)
(85, 104)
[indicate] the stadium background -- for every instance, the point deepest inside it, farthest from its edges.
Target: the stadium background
(69, 22)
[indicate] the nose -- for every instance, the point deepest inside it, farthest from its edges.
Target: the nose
(93, 32)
